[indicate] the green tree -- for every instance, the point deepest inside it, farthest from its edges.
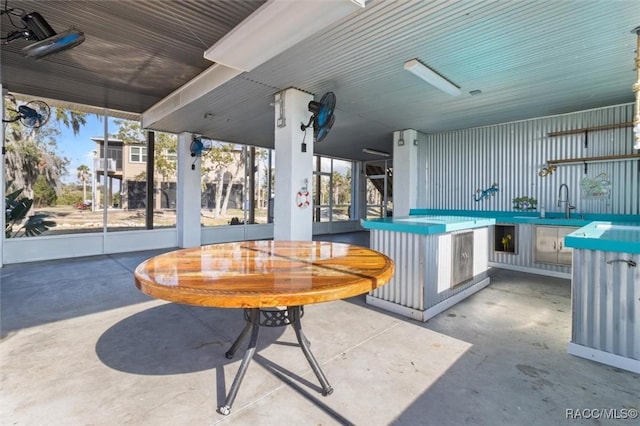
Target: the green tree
(262, 164)
(339, 183)
(341, 187)
(43, 193)
(71, 119)
(71, 195)
(33, 152)
(225, 161)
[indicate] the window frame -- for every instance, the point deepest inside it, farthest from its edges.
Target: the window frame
(142, 154)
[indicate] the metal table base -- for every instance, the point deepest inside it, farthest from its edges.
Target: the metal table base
(255, 319)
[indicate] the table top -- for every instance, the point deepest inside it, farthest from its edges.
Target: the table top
(262, 274)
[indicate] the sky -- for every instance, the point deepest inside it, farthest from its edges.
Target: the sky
(78, 148)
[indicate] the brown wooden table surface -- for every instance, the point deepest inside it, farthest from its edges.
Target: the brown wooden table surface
(262, 277)
(262, 274)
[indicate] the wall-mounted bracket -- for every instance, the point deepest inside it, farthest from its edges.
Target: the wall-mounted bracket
(586, 139)
(280, 109)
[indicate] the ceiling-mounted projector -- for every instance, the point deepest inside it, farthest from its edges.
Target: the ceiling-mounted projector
(47, 40)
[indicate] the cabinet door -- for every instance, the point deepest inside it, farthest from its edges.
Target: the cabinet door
(564, 253)
(546, 249)
(462, 258)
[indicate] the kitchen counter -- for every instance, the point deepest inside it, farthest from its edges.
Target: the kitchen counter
(605, 294)
(440, 260)
(427, 224)
(605, 275)
(526, 226)
(533, 218)
(606, 236)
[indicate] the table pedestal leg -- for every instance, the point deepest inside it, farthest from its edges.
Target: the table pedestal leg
(243, 335)
(253, 323)
(272, 318)
(294, 314)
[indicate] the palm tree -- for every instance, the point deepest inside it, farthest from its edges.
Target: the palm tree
(71, 119)
(17, 207)
(84, 174)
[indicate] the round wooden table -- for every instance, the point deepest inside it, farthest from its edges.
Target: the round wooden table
(271, 280)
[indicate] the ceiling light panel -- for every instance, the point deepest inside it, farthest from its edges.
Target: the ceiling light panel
(375, 152)
(417, 68)
(274, 27)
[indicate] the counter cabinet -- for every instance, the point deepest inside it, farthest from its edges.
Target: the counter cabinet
(549, 245)
(523, 256)
(433, 271)
(605, 308)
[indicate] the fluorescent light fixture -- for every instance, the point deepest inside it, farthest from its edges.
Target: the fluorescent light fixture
(417, 68)
(376, 152)
(274, 27)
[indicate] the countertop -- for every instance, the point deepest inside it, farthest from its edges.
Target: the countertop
(533, 218)
(605, 232)
(427, 224)
(620, 233)
(605, 236)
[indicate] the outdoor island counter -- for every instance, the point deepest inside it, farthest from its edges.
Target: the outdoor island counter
(439, 259)
(605, 292)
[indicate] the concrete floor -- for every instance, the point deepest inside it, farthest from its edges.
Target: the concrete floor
(81, 346)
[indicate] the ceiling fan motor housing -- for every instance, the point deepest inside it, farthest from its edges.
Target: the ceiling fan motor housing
(39, 29)
(200, 146)
(323, 115)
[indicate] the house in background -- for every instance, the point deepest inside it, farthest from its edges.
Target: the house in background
(126, 182)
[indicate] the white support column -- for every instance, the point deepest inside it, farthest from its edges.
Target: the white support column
(294, 168)
(359, 191)
(405, 171)
(188, 197)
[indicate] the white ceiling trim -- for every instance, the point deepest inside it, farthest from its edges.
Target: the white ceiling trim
(205, 82)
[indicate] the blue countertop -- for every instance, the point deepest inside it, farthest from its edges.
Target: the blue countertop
(427, 224)
(605, 236)
(605, 232)
(533, 218)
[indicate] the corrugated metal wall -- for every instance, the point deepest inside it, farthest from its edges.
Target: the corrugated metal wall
(406, 287)
(422, 276)
(606, 302)
(459, 163)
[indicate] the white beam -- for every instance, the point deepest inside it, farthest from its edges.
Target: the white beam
(274, 27)
(205, 82)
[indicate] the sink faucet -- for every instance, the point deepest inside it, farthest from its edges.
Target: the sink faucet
(567, 205)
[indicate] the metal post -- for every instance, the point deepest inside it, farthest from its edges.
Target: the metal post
(151, 142)
(252, 184)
